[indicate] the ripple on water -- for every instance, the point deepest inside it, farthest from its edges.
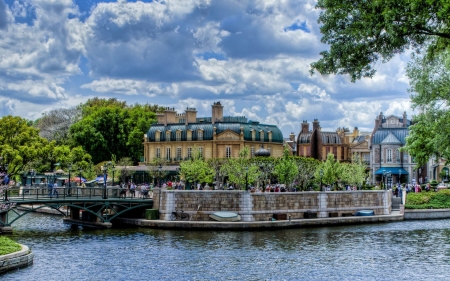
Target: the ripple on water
(411, 250)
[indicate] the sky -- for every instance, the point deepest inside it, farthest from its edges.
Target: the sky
(252, 56)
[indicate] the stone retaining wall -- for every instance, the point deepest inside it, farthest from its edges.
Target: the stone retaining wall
(426, 214)
(262, 206)
(15, 260)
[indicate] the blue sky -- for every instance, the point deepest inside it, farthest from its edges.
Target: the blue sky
(253, 56)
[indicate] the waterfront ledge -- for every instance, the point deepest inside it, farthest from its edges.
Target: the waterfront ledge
(16, 260)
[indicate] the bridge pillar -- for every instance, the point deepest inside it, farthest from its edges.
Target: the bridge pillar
(4, 220)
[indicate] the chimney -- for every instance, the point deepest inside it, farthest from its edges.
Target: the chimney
(191, 115)
(305, 126)
(217, 112)
(316, 125)
(160, 117)
(169, 116)
(292, 137)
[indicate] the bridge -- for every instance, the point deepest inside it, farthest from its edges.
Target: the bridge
(94, 207)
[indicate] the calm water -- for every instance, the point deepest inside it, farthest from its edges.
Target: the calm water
(413, 250)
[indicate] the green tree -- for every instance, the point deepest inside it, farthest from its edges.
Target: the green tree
(196, 169)
(240, 170)
(110, 127)
(307, 168)
(430, 86)
(360, 32)
(330, 169)
(286, 169)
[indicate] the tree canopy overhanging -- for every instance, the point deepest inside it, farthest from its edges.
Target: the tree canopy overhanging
(360, 33)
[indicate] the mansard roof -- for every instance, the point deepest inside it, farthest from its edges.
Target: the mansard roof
(382, 133)
(391, 139)
(208, 130)
(327, 138)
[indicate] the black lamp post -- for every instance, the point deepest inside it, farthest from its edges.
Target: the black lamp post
(383, 179)
(6, 187)
(246, 178)
(321, 176)
(81, 181)
(68, 190)
(159, 175)
(32, 173)
(105, 178)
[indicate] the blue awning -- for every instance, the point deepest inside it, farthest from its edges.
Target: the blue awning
(393, 171)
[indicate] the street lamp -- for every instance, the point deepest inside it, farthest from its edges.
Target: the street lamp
(321, 175)
(246, 178)
(383, 179)
(32, 174)
(159, 175)
(105, 177)
(6, 182)
(68, 190)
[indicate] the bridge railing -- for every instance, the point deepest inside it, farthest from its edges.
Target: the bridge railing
(27, 193)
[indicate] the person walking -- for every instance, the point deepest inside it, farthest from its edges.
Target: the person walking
(54, 190)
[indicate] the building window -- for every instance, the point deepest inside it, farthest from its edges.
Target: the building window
(405, 157)
(261, 135)
(158, 152)
(398, 155)
(189, 135)
(189, 153)
(178, 153)
(228, 152)
(270, 136)
(366, 158)
(178, 135)
(168, 136)
(200, 135)
(342, 153)
(389, 155)
(168, 153)
(253, 135)
(158, 136)
(200, 152)
(252, 151)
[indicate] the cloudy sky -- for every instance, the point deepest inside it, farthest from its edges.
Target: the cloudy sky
(253, 56)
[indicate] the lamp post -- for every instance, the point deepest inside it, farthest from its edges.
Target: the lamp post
(105, 177)
(32, 174)
(321, 176)
(113, 168)
(159, 175)
(383, 179)
(68, 190)
(7, 183)
(81, 181)
(246, 178)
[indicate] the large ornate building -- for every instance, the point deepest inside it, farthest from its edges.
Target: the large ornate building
(174, 136)
(388, 163)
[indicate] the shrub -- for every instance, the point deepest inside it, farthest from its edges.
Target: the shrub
(428, 200)
(8, 246)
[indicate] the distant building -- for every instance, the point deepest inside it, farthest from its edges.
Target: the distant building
(174, 136)
(317, 144)
(388, 163)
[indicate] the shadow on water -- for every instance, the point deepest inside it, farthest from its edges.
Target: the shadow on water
(369, 252)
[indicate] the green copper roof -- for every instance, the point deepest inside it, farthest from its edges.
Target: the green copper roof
(221, 127)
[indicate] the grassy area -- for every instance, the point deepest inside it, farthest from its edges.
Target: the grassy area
(8, 246)
(428, 200)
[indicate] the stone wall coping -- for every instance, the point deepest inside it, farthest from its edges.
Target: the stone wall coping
(20, 253)
(426, 210)
(271, 193)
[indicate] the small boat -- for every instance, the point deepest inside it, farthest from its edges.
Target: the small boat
(225, 216)
(365, 213)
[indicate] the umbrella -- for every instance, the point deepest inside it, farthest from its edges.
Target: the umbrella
(77, 179)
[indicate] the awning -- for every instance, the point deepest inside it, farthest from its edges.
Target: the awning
(392, 170)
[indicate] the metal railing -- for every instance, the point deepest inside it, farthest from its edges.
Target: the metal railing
(33, 193)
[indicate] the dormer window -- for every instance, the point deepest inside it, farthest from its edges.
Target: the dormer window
(199, 135)
(253, 135)
(178, 135)
(270, 136)
(158, 136)
(189, 135)
(261, 135)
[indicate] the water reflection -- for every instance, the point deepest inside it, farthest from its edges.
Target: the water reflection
(412, 250)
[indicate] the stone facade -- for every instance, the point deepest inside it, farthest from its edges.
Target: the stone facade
(262, 206)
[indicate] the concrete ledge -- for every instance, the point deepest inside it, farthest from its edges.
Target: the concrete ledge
(426, 214)
(16, 260)
(297, 223)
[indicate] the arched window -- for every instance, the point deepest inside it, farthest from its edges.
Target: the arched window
(199, 135)
(168, 136)
(178, 135)
(253, 135)
(261, 135)
(158, 136)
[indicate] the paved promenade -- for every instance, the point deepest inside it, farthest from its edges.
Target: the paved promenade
(297, 223)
